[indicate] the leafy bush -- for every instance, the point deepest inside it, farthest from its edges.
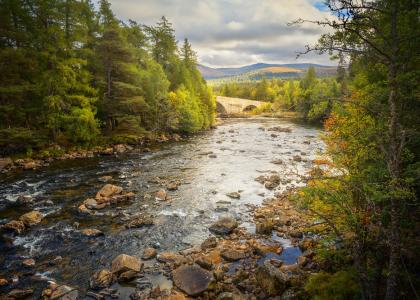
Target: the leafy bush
(338, 286)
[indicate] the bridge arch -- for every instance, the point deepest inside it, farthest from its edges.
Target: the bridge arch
(249, 108)
(220, 109)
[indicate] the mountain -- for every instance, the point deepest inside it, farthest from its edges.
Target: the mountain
(259, 70)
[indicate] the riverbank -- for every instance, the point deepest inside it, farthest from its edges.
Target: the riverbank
(47, 156)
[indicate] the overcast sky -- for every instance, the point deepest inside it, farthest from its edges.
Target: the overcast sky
(235, 32)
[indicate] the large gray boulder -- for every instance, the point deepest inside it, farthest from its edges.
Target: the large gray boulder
(193, 280)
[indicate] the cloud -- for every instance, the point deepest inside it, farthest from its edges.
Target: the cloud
(234, 32)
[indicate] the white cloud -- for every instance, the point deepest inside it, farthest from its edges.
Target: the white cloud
(234, 32)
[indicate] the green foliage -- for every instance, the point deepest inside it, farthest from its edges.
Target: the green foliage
(88, 72)
(312, 97)
(338, 286)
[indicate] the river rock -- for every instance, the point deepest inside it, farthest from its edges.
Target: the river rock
(280, 129)
(62, 292)
(91, 203)
(19, 294)
(172, 186)
(84, 210)
(265, 226)
(105, 178)
(277, 162)
(161, 195)
(108, 191)
(234, 195)
(272, 182)
(171, 258)
(3, 281)
(128, 276)
(204, 262)
(297, 158)
(17, 226)
(229, 296)
(140, 221)
(91, 232)
(120, 148)
(271, 279)
(24, 199)
(261, 179)
(31, 218)
(101, 279)
(193, 280)
(5, 162)
(225, 225)
(149, 253)
(123, 263)
(209, 243)
(232, 254)
(28, 262)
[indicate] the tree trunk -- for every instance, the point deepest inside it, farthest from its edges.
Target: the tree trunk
(394, 162)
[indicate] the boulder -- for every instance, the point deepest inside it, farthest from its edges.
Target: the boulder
(171, 258)
(277, 162)
(16, 226)
(64, 292)
(91, 232)
(84, 210)
(19, 294)
(172, 186)
(120, 148)
(101, 279)
(5, 162)
(90, 203)
(128, 276)
(108, 191)
(140, 221)
(209, 243)
(193, 280)
(232, 254)
(161, 195)
(265, 226)
(229, 296)
(31, 218)
(271, 279)
(272, 182)
(225, 225)
(149, 253)
(123, 263)
(234, 195)
(297, 158)
(280, 129)
(3, 281)
(105, 178)
(24, 199)
(28, 262)
(204, 262)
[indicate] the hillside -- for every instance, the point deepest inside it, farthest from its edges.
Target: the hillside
(260, 70)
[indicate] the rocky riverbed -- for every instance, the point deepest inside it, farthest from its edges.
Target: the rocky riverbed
(207, 217)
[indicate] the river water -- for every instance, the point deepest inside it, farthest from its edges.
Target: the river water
(206, 166)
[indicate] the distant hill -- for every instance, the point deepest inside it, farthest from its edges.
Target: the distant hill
(260, 70)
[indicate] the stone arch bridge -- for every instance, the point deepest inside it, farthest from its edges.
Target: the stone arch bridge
(228, 105)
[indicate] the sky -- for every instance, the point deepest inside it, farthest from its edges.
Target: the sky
(228, 33)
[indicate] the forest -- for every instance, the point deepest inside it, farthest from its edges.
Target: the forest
(72, 74)
(311, 97)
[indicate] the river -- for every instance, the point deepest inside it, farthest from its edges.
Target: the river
(206, 167)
